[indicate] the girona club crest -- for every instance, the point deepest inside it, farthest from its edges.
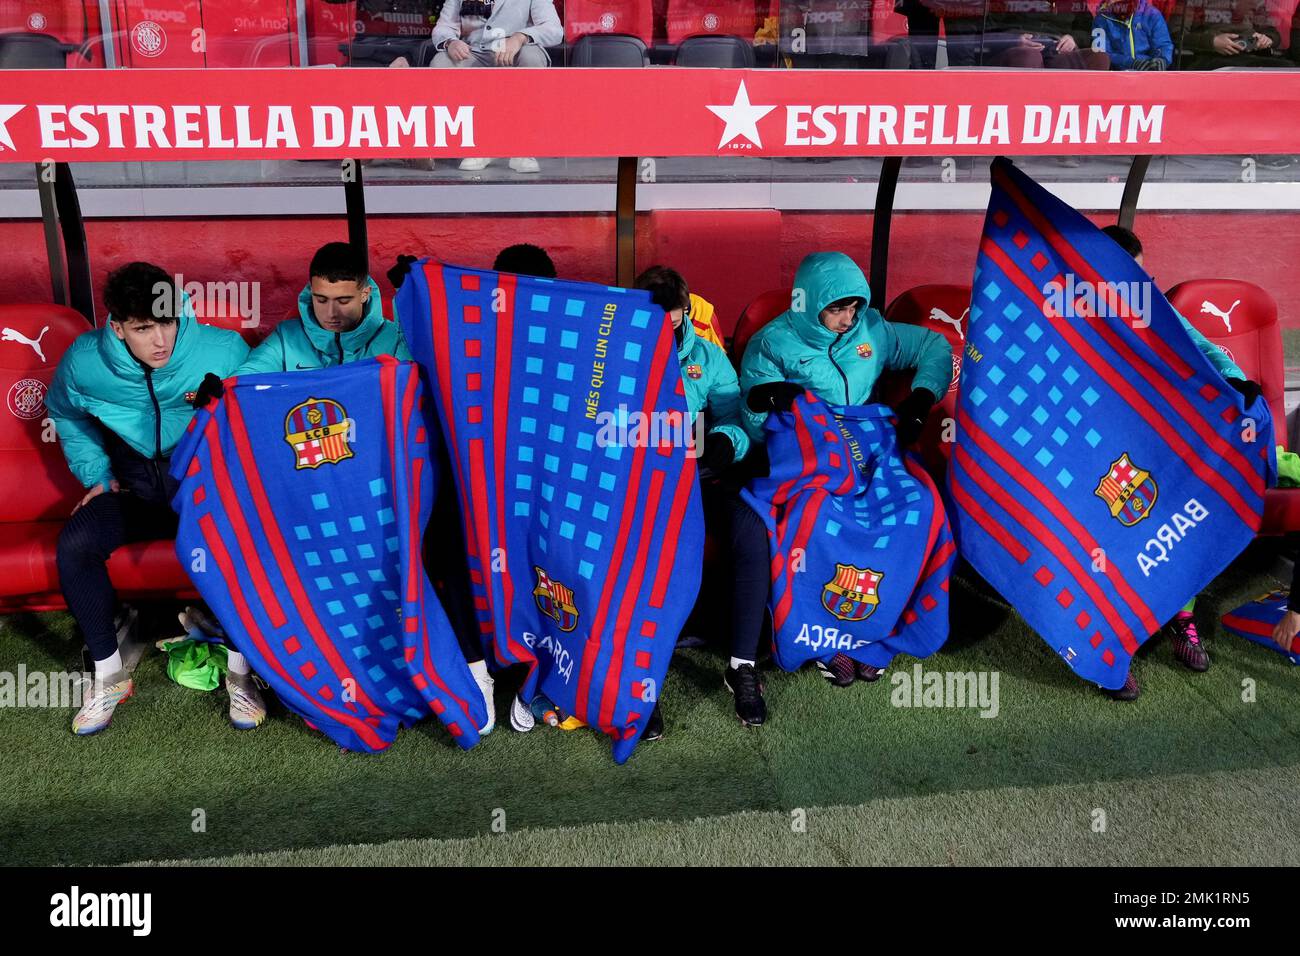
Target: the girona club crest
(148, 38)
(1129, 492)
(317, 430)
(853, 594)
(27, 398)
(555, 601)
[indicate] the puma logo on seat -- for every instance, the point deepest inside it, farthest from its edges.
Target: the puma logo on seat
(13, 335)
(1209, 308)
(938, 315)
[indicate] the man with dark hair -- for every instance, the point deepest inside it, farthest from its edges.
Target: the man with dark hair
(340, 319)
(711, 390)
(120, 403)
(1182, 629)
(525, 259)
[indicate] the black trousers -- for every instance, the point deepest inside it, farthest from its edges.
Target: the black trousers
(446, 561)
(745, 566)
(92, 534)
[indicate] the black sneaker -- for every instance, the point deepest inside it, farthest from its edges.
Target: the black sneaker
(867, 672)
(839, 670)
(743, 682)
(654, 728)
(1129, 691)
(1187, 643)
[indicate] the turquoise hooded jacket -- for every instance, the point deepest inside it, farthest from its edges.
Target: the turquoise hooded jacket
(100, 383)
(842, 368)
(301, 343)
(711, 387)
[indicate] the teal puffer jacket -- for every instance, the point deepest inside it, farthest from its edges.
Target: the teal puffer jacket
(100, 383)
(843, 368)
(302, 344)
(711, 388)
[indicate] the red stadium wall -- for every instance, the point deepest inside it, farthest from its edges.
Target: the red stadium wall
(727, 256)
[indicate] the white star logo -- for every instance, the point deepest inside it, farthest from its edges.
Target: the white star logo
(6, 114)
(741, 118)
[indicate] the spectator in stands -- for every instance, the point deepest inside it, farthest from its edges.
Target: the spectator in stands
(1056, 34)
(831, 342)
(119, 401)
(525, 259)
(1219, 33)
(713, 392)
(1134, 35)
(474, 33)
(1182, 629)
(837, 35)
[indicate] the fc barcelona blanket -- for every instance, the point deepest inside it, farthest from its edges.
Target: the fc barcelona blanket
(1255, 622)
(303, 499)
(861, 549)
(1103, 471)
(563, 410)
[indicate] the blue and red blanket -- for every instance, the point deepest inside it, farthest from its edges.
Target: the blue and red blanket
(861, 549)
(564, 414)
(1256, 619)
(303, 500)
(1104, 472)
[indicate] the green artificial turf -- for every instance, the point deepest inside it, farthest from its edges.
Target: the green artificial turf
(1190, 773)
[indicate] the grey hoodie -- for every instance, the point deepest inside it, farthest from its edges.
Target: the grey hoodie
(535, 18)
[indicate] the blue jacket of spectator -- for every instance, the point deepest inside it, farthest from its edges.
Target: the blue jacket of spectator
(1134, 34)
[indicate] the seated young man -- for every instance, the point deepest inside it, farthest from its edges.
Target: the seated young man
(119, 405)
(340, 319)
(833, 344)
(1182, 629)
(712, 391)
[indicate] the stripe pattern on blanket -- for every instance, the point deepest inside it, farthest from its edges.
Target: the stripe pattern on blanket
(585, 543)
(860, 544)
(1256, 619)
(1103, 471)
(303, 501)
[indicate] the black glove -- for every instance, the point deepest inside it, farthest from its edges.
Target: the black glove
(210, 388)
(912, 413)
(1249, 389)
(773, 396)
(718, 453)
(1155, 63)
(398, 273)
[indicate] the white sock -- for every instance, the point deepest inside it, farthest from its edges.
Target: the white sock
(478, 669)
(109, 665)
(737, 661)
(237, 663)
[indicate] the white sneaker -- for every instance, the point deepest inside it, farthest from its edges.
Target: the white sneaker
(524, 164)
(485, 688)
(247, 709)
(475, 163)
(97, 711)
(521, 716)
